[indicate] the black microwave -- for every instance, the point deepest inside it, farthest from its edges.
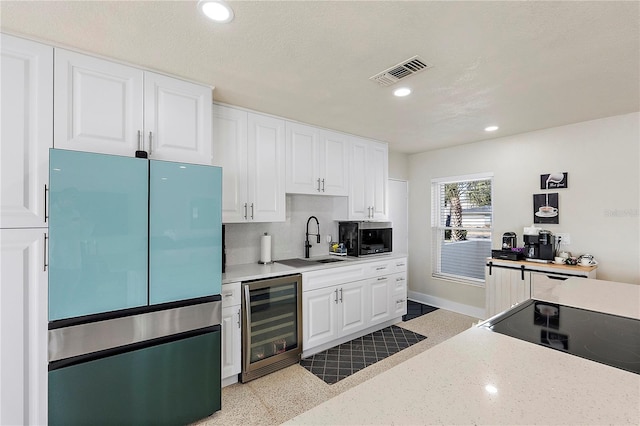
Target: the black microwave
(364, 238)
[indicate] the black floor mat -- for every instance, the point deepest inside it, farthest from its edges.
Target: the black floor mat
(341, 361)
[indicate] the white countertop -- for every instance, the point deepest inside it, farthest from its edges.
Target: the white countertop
(482, 377)
(256, 271)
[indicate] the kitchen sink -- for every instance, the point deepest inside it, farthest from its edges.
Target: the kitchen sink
(303, 263)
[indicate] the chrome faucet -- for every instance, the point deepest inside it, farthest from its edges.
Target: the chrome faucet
(307, 244)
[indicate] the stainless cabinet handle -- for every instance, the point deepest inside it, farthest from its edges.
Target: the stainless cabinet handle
(400, 279)
(46, 213)
(322, 185)
(139, 140)
(340, 295)
(251, 211)
(318, 184)
(399, 264)
(382, 278)
(150, 143)
(245, 211)
(45, 264)
(380, 268)
(336, 296)
(227, 295)
(238, 317)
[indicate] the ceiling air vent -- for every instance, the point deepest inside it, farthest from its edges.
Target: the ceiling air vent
(402, 70)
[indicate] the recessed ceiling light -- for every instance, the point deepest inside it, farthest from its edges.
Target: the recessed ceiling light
(216, 10)
(403, 91)
(491, 128)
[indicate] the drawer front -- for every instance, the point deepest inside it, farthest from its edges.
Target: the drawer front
(332, 276)
(376, 269)
(400, 265)
(231, 294)
(399, 281)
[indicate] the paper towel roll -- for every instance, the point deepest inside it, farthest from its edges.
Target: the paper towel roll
(265, 248)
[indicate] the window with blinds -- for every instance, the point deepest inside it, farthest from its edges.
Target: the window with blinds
(461, 227)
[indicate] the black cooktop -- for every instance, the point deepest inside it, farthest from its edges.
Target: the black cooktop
(609, 339)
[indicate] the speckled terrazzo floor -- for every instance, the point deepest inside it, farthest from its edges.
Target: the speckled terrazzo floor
(284, 394)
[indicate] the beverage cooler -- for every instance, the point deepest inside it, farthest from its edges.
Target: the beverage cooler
(272, 325)
(134, 290)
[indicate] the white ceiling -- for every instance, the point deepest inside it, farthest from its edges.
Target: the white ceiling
(520, 65)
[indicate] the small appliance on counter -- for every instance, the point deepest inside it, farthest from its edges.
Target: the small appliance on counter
(365, 238)
(539, 247)
(509, 240)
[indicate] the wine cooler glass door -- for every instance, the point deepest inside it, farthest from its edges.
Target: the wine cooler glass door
(271, 330)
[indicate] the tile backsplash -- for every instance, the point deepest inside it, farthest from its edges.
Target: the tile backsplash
(287, 238)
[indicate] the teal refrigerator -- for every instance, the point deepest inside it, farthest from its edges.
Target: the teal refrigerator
(134, 290)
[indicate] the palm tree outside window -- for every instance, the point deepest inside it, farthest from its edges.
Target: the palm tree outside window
(461, 227)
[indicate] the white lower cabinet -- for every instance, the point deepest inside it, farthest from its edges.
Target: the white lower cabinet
(504, 288)
(23, 327)
(231, 333)
(372, 297)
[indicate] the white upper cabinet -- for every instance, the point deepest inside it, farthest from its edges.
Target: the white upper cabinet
(369, 172)
(27, 131)
(316, 161)
(177, 119)
(111, 108)
(251, 150)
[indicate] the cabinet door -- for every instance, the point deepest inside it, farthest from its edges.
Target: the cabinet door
(231, 341)
(266, 169)
(23, 327)
(27, 131)
(185, 231)
(359, 206)
(380, 306)
(177, 120)
(333, 156)
(353, 307)
(98, 228)
(319, 310)
(303, 175)
(504, 288)
(98, 105)
(230, 153)
(379, 174)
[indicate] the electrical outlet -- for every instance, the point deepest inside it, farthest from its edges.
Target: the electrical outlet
(563, 238)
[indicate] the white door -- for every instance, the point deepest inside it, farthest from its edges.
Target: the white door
(23, 327)
(333, 159)
(231, 341)
(27, 131)
(399, 214)
(380, 294)
(230, 153)
(359, 206)
(265, 169)
(303, 175)
(379, 169)
(177, 120)
(98, 105)
(352, 298)
(319, 317)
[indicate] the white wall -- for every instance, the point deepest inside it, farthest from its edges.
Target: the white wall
(398, 165)
(600, 209)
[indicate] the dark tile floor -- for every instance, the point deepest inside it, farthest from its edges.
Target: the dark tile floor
(415, 309)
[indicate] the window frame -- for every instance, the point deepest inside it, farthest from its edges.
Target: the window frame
(438, 230)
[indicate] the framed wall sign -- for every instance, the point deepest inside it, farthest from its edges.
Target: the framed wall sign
(545, 208)
(554, 180)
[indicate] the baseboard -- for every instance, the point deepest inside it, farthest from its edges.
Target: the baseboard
(472, 311)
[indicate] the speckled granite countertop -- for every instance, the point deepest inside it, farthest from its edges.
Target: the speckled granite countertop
(256, 271)
(482, 377)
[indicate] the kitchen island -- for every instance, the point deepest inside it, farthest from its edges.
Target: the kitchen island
(482, 377)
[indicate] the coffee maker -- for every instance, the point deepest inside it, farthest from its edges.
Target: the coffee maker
(539, 247)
